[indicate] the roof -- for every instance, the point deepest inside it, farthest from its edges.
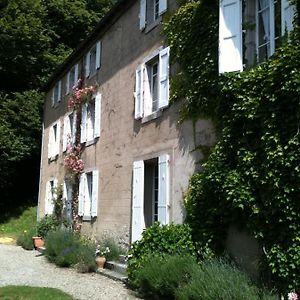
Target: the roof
(109, 19)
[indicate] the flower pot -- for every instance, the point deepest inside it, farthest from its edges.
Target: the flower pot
(38, 242)
(100, 261)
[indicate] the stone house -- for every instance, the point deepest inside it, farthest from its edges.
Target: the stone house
(137, 156)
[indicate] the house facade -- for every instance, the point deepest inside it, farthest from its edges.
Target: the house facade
(136, 157)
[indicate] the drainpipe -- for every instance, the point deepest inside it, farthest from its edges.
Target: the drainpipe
(40, 179)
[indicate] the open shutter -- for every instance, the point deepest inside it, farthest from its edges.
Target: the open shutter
(163, 188)
(51, 142)
(59, 91)
(67, 132)
(81, 194)
(147, 98)
(52, 97)
(164, 77)
(94, 204)
(287, 16)
(76, 75)
(98, 54)
(57, 141)
(138, 94)
(87, 64)
(97, 128)
(87, 196)
(68, 83)
(230, 36)
(137, 222)
(47, 197)
(162, 6)
(83, 123)
(142, 14)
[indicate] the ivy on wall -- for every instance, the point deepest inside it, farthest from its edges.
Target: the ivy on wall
(252, 177)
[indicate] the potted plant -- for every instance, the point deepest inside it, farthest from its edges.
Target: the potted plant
(100, 256)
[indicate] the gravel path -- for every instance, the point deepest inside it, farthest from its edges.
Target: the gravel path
(21, 267)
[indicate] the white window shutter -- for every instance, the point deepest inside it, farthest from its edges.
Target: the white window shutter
(76, 75)
(146, 94)
(57, 142)
(52, 97)
(230, 36)
(59, 91)
(287, 16)
(81, 195)
(87, 197)
(68, 83)
(164, 56)
(138, 221)
(83, 123)
(138, 94)
(51, 142)
(162, 6)
(94, 204)
(163, 188)
(47, 197)
(67, 132)
(143, 14)
(65, 194)
(87, 64)
(74, 128)
(97, 128)
(98, 54)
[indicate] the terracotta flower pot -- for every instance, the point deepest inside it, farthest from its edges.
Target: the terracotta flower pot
(38, 242)
(100, 261)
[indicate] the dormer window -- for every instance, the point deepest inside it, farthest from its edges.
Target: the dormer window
(72, 78)
(93, 60)
(56, 94)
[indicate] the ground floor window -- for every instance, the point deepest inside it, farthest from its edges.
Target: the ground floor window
(50, 196)
(150, 202)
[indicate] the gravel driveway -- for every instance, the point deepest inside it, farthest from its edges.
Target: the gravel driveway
(21, 267)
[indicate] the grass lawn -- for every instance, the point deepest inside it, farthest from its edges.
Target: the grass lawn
(32, 293)
(14, 226)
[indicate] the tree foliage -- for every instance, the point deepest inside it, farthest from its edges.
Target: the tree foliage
(252, 177)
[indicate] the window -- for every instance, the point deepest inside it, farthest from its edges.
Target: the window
(150, 192)
(56, 94)
(150, 12)
(264, 21)
(93, 60)
(50, 196)
(88, 195)
(72, 79)
(91, 120)
(152, 84)
(54, 139)
(69, 130)
(67, 200)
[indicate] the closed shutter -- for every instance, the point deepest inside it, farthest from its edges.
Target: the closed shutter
(94, 205)
(52, 97)
(81, 195)
(87, 196)
(87, 64)
(164, 77)
(143, 14)
(98, 54)
(163, 188)
(47, 197)
(162, 6)
(287, 16)
(74, 129)
(138, 94)
(59, 91)
(230, 36)
(57, 141)
(67, 132)
(68, 83)
(76, 76)
(83, 123)
(137, 222)
(97, 128)
(51, 142)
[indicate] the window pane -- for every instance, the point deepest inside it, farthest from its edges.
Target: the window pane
(154, 86)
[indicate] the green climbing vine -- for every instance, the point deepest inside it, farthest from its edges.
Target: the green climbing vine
(252, 176)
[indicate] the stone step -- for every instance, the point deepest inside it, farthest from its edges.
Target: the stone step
(116, 267)
(112, 275)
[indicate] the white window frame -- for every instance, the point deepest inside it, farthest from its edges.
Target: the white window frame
(90, 68)
(88, 199)
(56, 94)
(50, 195)
(89, 135)
(138, 182)
(54, 140)
(69, 135)
(70, 84)
(143, 98)
(67, 200)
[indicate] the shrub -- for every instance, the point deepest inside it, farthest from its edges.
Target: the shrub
(159, 240)
(217, 279)
(62, 247)
(114, 249)
(86, 258)
(25, 239)
(46, 224)
(161, 277)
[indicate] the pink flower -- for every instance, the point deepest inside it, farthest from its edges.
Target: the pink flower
(292, 296)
